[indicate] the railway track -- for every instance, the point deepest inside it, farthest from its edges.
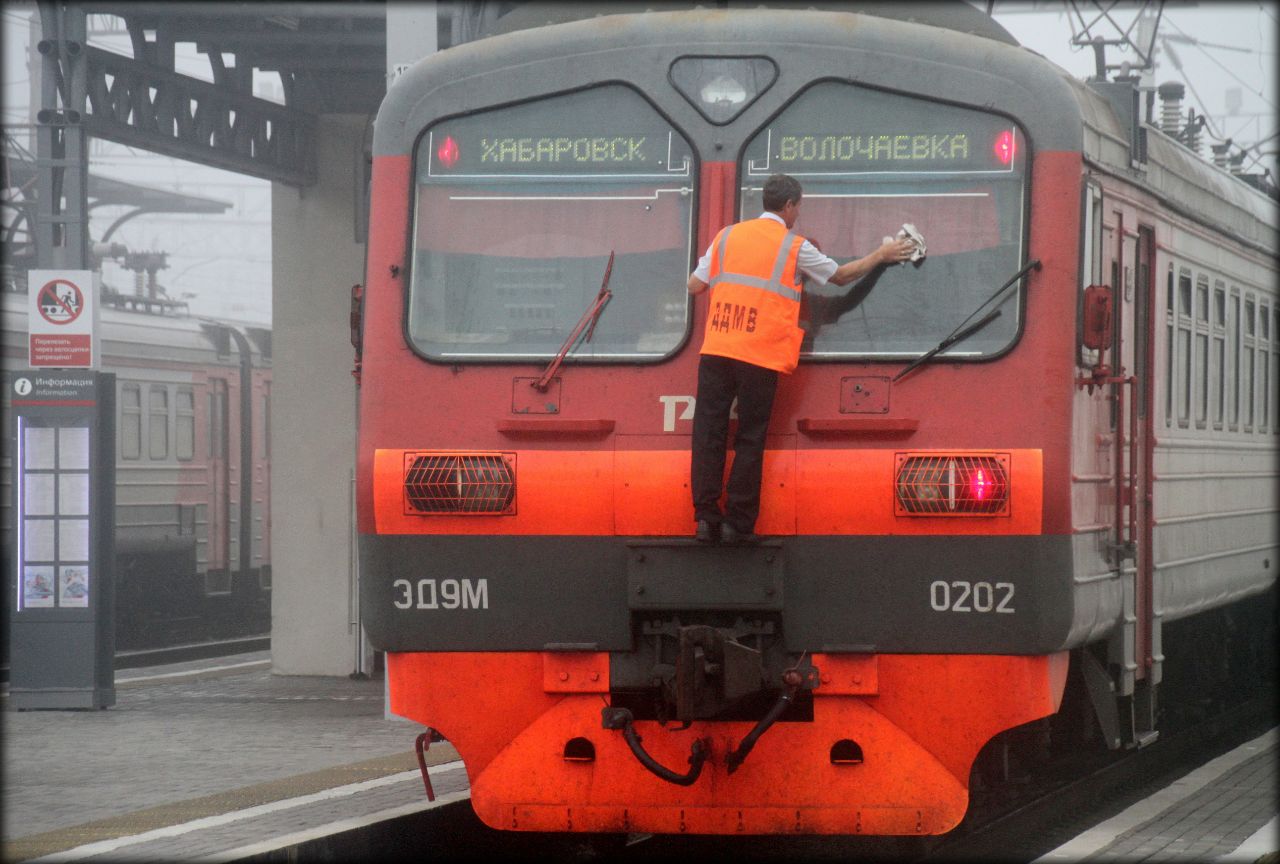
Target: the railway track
(143, 658)
(1039, 820)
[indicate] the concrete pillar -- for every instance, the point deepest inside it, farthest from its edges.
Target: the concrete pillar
(315, 261)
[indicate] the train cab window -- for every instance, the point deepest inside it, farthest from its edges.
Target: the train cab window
(516, 213)
(1219, 354)
(158, 422)
(184, 433)
(1091, 254)
(130, 421)
(871, 161)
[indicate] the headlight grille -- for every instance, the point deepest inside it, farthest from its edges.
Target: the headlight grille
(460, 483)
(952, 485)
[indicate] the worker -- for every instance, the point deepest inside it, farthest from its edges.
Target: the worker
(755, 270)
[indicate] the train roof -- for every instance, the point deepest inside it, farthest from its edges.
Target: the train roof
(158, 337)
(946, 58)
(947, 14)
(1181, 178)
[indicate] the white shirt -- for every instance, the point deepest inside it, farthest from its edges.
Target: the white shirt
(811, 263)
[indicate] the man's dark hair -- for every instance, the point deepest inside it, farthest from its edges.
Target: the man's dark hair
(778, 190)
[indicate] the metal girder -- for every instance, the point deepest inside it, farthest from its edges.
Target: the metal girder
(374, 9)
(289, 40)
(284, 62)
(146, 106)
(61, 230)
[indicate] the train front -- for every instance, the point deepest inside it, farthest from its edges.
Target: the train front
(529, 370)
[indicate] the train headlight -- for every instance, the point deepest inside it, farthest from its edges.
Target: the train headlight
(459, 483)
(721, 88)
(953, 484)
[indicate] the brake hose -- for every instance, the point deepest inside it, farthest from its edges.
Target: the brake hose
(621, 718)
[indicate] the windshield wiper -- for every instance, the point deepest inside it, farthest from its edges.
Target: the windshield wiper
(959, 334)
(590, 317)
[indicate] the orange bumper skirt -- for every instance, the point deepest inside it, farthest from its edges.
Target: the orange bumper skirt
(919, 721)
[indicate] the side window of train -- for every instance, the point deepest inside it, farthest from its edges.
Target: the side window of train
(1233, 360)
(1247, 361)
(1202, 350)
(266, 422)
(184, 439)
(1275, 362)
(1219, 354)
(1184, 320)
(158, 422)
(130, 421)
(1275, 365)
(1171, 344)
(1265, 380)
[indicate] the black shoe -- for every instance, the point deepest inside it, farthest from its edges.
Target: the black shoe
(706, 532)
(729, 534)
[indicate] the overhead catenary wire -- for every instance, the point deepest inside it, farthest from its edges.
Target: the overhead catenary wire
(1200, 45)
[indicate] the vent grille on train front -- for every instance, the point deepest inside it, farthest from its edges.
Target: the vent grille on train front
(952, 485)
(460, 483)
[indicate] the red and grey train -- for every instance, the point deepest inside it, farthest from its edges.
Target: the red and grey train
(1029, 453)
(192, 520)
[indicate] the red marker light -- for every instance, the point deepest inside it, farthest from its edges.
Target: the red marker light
(980, 485)
(448, 152)
(1004, 147)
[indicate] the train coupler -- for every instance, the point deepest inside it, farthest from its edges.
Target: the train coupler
(621, 718)
(421, 745)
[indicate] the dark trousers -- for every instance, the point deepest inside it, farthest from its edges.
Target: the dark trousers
(720, 379)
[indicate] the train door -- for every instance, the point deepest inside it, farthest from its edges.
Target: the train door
(1132, 397)
(218, 578)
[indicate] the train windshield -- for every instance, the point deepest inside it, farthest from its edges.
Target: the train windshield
(517, 210)
(871, 161)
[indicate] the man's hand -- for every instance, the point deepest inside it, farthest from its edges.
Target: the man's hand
(895, 251)
(892, 252)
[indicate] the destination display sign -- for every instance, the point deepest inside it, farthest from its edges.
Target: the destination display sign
(838, 128)
(605, 131)
(460, 152)
(946, 150)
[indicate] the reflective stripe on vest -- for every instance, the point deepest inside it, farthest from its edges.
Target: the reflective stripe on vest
(773, 283)
(754, 306)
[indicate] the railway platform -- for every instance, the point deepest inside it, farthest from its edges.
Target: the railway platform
(219, 760)
(1227, 810)
(211, 760)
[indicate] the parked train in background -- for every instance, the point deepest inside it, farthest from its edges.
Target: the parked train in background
(193, 482)
(1073, 488)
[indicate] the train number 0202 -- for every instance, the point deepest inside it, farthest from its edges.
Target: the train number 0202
(442, 594)
(960, 596)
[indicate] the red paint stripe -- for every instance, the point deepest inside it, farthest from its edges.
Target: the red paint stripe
(78, 403)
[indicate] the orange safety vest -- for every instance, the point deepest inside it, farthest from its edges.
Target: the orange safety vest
(754, 310)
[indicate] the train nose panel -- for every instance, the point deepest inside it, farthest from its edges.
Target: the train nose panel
(792, 784)
(888, 749)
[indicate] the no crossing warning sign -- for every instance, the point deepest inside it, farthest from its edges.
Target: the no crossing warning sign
(60, 301)
(62, 318)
